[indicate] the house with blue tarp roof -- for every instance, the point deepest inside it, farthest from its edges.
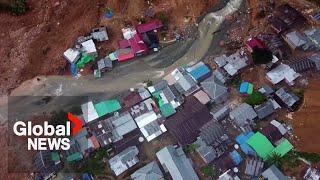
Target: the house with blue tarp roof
(236, 157)
(199, 71)
(242, 141)
(246, 88)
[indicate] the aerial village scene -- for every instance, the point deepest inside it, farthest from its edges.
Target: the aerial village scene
(164, 89)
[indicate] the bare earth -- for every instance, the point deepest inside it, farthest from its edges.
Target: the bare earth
(306, 119)
(32, 44)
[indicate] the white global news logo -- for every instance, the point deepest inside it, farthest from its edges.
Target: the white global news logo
(46, 136)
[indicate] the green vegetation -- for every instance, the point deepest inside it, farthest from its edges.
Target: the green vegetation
(163, 16)
(191, 148)
(256, 98)
(261, 56)
(210, 171)
(291, 160)
(58, 117)
(148, 82)
(236, 82)
(299, 92)
(275, 159)
(312, 157)
(317, 2)
(95, 164)
(17, 7)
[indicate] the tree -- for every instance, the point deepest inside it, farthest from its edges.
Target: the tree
(256, 98)
(210, 171)
(261, 56)
(275, 159)
(19, 7)
(163, 16)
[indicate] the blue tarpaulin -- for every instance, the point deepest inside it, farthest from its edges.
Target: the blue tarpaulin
(242, 141)
(200, 71)
(236, 157)
(244, 87)
(74, 69)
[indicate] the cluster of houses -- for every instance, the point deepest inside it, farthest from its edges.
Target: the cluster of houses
(137, 42)
(192, 103)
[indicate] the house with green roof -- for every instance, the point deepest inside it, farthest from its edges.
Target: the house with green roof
(283, 148)
(264, 147)
(106, 107)
(261, 145)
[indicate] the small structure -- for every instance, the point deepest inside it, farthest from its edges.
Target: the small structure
(236, 157)
(315, 58)
(242, 141)
(124, 160)
(228, 175)
(89, 47)
(199, 71)
(232, 64)
(202, 97)
(216, 90)
(86, 144)
(283, 148)
(151, 171)
(107, 107)
(185, 124)
(211, 141)
(316, 16)
(314, 36)
(128, 33)
(221, 75)
(264, 110)
(183, 82)
(254, 167)
(149, 26)
(274, 173)
(279, 126)
(266, 90)
(47, 164)
(124, 54)
(272, 133)
(277, 24)
(121, 124)
(295, 39)
(243, 115)
(72, 55)
(167, 96)
(246, 88)
(221, 113)
(286, 98)
(136, 96)
(312, 174)
(105, 64)
(100, 34)
(136, 44)
(74, 152)
(85, 58)
(282, 72)
(174, 161)
(255, 43)
(301, 64)
(89, 112)
(261, 145)
(148, 120)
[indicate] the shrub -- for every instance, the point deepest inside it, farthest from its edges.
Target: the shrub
(163, 16)
(256, 98)
(19, 7)
(261, 56)
(210, 171)
(312, 157)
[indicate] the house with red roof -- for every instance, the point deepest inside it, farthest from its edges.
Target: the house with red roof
(255, 43)
(149, 26)
(136, 45)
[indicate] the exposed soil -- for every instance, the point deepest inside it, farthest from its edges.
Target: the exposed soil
(33, 44)
(306, 120)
